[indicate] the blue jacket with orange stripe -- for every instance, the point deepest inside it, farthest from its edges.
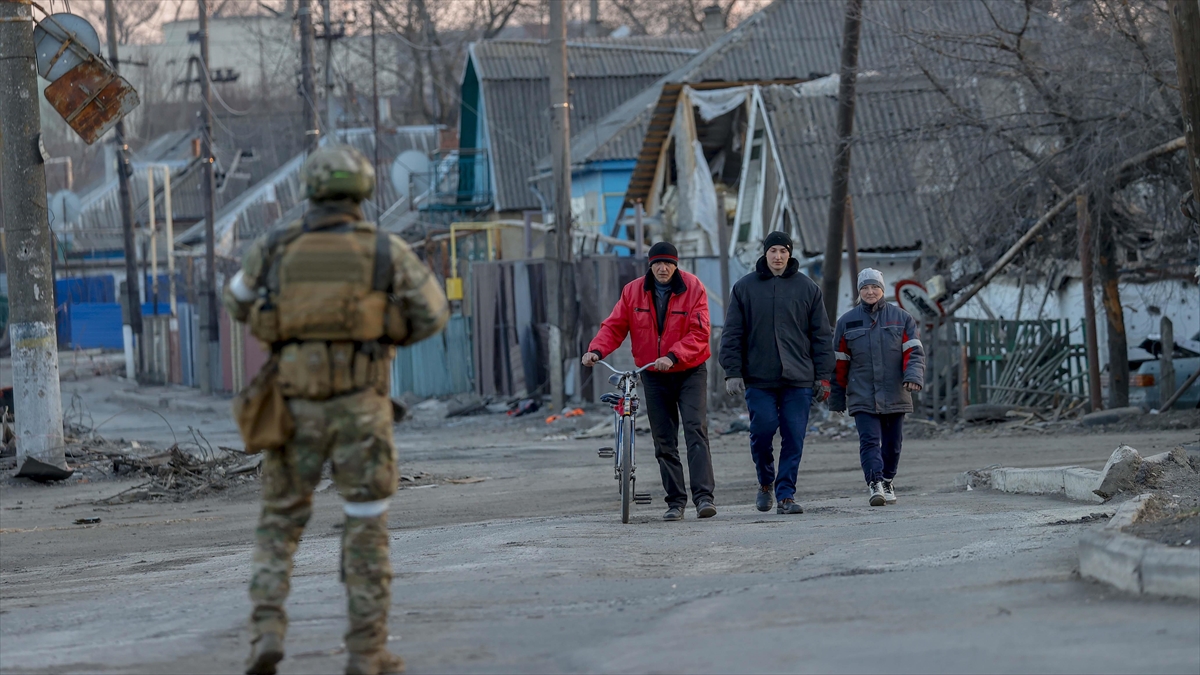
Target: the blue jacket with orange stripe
(877, 349)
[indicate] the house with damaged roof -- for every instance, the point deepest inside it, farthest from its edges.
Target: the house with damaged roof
(754, 116)
(505, 116)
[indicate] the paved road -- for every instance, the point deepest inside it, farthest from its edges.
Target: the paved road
(530, 571)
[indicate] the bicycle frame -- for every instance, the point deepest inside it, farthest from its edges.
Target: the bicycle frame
(625, 408)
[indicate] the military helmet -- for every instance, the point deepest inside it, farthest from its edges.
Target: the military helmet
(338, 171)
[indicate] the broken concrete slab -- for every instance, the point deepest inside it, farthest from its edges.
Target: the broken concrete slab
(1120, 472)
(1073, 482)
(1113, 416)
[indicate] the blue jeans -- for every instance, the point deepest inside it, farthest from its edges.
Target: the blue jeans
(783, 409)
(879, 440)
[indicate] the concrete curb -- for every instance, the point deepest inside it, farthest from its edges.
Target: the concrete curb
(1075, 482)
(1137, 565)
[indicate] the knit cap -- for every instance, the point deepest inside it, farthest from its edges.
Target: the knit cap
(870, 277)
(777, 239)
(664, 251)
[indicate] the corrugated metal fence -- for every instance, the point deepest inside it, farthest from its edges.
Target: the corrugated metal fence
(439, 366)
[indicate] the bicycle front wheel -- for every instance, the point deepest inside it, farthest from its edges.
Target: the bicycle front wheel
(626, 469)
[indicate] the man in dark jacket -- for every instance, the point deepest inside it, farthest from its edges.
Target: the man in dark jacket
(665, 314)
(776, 348)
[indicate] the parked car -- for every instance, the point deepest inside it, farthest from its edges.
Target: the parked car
(1144, 388)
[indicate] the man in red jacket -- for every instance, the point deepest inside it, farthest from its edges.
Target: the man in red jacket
(666, 316)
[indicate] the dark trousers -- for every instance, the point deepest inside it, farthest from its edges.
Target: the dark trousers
(782, 409)
(670, 397)
(879, 440)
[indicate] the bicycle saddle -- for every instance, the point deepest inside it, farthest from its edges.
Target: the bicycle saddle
(610, 398)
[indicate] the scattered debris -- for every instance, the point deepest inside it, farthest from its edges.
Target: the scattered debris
(42, 472)
(1089, 518)
(524, 407)
(467, 481)
(174, 474)
(86, 521)
(1113, 416)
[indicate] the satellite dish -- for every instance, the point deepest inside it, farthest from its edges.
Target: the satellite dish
(65, 208)
(410, 172)
(48, 37)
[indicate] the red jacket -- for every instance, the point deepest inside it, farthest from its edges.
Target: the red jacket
(685, 334)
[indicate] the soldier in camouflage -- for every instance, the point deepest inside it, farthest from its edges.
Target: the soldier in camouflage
(332, 296)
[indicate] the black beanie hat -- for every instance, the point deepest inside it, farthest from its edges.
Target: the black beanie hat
(777, 239)
(664, 251)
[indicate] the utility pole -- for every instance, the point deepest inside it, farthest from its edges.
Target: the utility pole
(308, 89)
(330, 116)
(832, 274)
(37, 399)
(375, 108)
(562, 286)
(1086, 253)
(1118, 345)
(851, 243)
(1185, 29)
(132, 284)
(210, 327)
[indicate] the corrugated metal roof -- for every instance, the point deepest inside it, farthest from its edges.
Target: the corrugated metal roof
(787, 40)
(280, 196)
(903, 182)
(604, 73)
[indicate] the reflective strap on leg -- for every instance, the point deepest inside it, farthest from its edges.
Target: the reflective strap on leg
(366, 509)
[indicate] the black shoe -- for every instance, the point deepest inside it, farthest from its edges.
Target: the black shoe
(763, 501)
(705, 509)
(674, 513)
(789, 506)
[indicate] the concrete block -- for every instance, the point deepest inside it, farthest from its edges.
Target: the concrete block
(1112, 557)
(1128, 512)
(1113, 416)
(1029, 481)
(1171, 571)
(1080, 485)
(1119, 472)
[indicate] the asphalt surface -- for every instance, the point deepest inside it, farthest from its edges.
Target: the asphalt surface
(530, 570)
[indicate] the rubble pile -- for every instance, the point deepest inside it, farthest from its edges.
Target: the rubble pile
(173, 474)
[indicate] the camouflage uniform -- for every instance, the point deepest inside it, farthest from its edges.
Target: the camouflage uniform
(352, 430)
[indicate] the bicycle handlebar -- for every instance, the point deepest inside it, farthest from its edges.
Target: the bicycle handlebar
(625, 372)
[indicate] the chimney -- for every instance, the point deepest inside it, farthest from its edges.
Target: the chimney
(714, 20)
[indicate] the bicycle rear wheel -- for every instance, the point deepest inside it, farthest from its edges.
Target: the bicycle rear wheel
(626, 479)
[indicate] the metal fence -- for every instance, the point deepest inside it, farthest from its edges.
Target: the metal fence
(1021, 363)
(439, 366)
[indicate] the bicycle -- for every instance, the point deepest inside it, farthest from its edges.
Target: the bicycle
(625, 406)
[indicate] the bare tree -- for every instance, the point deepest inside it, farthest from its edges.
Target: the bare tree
(1053, 94)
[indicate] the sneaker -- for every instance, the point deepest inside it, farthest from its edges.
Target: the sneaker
(889, 493)
(763, 501)
(705, 509)
(266, 650)
(789, 506)
(876, 488)
(381, 662)
(673, 513)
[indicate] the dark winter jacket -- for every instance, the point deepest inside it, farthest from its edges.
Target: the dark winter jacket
(878, 349)
(776, 333)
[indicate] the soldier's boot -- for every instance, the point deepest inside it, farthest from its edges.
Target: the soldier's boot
(375, 663)
(367, 573)
(266, 650)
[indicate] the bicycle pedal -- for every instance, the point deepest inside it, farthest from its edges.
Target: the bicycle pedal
(607, 453)
(642, 498)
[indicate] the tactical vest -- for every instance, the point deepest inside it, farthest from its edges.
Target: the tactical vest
(328, 285)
